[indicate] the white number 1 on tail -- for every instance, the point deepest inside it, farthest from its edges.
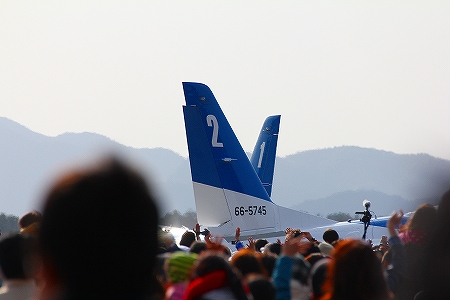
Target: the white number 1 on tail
(261, 154)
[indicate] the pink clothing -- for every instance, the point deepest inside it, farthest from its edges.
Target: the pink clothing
(176, 291)
(413, 236)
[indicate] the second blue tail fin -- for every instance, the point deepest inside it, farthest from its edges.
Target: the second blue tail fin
(264, 154)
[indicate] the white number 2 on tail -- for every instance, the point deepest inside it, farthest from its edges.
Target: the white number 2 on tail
(211, 120)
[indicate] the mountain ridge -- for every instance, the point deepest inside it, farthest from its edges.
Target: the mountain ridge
(312, 180)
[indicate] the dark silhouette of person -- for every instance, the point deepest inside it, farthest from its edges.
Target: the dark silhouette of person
(98, 235)
(436, 267)
(18, 265)
(330, 235)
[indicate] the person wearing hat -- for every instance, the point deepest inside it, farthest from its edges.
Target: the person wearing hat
(326, 249)
(178, 269)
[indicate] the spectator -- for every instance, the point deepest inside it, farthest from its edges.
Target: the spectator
(261, 288)
(187, 239)
(290, 275)
(29, 223)
(213, 278)
(18, 265)
(394, 260)
(248, 262)
(355, 273)
(179, 266)
(415, 236)
(169, 243)
(260, 243)
(326, 249)
(273, 248)
(330, 235)
(268, 261)
(29, 218)
(314, 257)
(317, 277)
(98, 235)
(160, 270)
(436, 269)
(198, 247)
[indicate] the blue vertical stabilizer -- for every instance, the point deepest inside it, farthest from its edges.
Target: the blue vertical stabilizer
(264, 154)
(216, 156)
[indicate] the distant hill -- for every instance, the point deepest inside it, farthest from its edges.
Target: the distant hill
(30, 161)
(340, 175)
(319, 181)
(351, 202)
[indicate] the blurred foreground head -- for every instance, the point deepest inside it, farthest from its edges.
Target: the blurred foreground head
(437, 259)
(98, 234)
(355, 273)
(17, 257)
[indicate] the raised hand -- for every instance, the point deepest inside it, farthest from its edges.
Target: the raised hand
(294, 245)
(237, 234)
(251, 244)
(394, 221)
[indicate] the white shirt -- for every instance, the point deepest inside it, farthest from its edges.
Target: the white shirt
(18, 289)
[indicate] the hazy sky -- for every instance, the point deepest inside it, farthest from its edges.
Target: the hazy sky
(365, 73)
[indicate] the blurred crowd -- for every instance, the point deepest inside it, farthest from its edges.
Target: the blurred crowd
(97, 237)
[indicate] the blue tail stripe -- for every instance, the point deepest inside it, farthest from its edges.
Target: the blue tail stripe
(219, 161)
(382, 222)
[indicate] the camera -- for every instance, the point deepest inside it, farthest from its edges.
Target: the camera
(205, 232)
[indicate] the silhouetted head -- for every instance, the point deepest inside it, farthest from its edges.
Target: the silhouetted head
(213, 263)
(274, 248)
(437, 255)
(260, 243)
(424, 218)
(314, 257)
(17, 256)
(209, 262)
(318, 276)
(442, 231)
(247, 262)
(187, 238)
(268, 262)
(30, 222)
(30, 218)
(99, 233)
(261, 288)
(198, 247)
(330, 235)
